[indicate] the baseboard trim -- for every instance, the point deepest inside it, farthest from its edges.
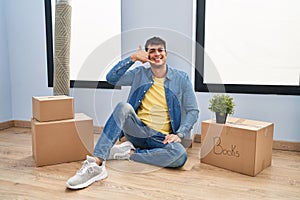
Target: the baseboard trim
(98, 129)
(278, 145)
(27, 124)
(15, 123)
(285, 145)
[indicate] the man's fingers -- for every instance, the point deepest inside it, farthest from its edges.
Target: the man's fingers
(150, 61)
(140, 47)
(171, 138)
(165, 141)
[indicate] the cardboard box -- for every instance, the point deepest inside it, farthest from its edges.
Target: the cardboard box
(62, 141)
(240, 145)
(52, 108)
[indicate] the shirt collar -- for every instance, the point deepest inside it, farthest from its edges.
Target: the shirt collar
(169, 74)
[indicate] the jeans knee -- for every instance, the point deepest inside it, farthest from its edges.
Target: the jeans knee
(123, 105)
(181, 156)
(123, 108)
(180, 161)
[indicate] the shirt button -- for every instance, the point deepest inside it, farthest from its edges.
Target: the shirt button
(144, 91)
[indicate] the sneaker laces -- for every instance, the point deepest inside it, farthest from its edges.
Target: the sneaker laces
(83, 168)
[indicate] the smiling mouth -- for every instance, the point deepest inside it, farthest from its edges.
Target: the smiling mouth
(156, 59)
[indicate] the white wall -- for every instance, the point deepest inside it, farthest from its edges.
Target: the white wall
(28, 71)
(5, 95)
(171, 20)
(27, 54)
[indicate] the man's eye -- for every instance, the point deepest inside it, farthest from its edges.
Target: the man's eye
(154, 50)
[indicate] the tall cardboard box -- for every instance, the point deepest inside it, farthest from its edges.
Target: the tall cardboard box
(240, 145)
(62, 141)
(52, 108)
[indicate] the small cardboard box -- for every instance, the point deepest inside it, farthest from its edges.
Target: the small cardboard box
(52, 108)
(62, 141)
(240, 145)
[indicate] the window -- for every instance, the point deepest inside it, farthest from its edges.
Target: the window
(95, 44)
(250, 46)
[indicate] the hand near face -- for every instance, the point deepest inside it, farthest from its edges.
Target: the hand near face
(140, 55)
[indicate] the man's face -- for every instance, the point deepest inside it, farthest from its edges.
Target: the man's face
(157, 54)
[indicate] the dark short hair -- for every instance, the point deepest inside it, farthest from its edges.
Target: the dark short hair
(155, 41)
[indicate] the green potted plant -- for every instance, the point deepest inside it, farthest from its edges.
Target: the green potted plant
(222, 105)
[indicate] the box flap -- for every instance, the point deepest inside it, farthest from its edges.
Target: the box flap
(51, 98)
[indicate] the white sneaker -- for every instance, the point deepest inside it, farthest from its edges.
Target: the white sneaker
(121, 151)
(89, 173)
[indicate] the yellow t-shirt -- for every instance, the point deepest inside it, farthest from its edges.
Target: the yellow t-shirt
(153, 110)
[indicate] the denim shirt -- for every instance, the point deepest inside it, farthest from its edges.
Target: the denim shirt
(180, 96)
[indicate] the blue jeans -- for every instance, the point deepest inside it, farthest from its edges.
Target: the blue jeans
(148, 142)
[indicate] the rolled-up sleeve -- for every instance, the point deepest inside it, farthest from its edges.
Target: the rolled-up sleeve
(189, 106)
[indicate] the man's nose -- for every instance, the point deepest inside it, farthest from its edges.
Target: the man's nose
(157, 52)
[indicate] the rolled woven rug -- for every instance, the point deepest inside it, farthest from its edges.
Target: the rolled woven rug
(63, 12)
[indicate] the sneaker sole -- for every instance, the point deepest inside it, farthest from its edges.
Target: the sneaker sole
(89, 182)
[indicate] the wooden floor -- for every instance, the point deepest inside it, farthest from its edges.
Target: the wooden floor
(20, 179)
